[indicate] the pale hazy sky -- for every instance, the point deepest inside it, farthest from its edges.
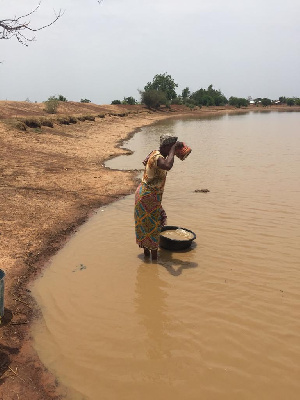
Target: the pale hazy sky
(108, 51)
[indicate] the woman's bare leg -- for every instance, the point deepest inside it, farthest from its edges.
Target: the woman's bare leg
(146, 252)
(154, 254)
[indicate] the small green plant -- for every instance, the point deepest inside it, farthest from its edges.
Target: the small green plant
(116, 102)
(85, 101)
(51, 105)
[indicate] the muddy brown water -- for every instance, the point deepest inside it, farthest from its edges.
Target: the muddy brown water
(221, 321)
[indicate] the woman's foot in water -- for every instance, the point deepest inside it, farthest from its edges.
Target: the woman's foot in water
(146, 253)
(154, 255)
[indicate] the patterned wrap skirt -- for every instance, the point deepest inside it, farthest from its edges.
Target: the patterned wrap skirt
(149, 216)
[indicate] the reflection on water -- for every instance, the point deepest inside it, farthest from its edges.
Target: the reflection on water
(176, 265)
(152, 308)
(218, 321)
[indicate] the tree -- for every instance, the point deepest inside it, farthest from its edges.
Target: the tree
(85, 101)
(266, 102)
(290, 102)
(282, 99)
(20, 27)
(257, 100)
(116, 102)
(207, 100)
(51, 105)
(185, 93)
(153, 98)
(129, 100)
(238, 102)
(208, 97)
(163, 83)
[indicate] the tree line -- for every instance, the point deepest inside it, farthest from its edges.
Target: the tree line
(162, 91)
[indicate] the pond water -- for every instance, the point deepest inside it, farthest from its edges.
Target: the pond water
(220, 321)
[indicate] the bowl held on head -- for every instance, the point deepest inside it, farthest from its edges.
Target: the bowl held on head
(183, 152)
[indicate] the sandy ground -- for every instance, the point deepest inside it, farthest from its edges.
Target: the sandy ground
(51, 181)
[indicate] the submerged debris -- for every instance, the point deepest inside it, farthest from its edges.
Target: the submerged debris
(201, 191)
(79, 268)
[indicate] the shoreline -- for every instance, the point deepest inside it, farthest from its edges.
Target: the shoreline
(53, 180)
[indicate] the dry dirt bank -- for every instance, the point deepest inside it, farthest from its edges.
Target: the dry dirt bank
(51, 180)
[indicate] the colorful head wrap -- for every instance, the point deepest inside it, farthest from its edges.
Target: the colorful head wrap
(166, 139)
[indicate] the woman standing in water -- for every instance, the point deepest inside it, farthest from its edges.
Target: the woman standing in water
(148, 212)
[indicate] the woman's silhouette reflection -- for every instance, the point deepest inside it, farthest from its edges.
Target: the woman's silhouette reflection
(175, 266)
(151, 301)
(151, 296)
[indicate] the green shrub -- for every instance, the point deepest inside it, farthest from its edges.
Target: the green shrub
(86, 118)
(85, 101)
(32, 122)
(129, 100)
(51, 105)
(47, 122)
(178, 100)
(66, 120)
(72, 119)
(19, 125)
(120, 114)
(90, 117)
(116, 102)
(190, 106)
(153, 98)
(62, 98)
(63, 120)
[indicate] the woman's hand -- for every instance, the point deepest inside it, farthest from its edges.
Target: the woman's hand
(179, 145)
(167, 163)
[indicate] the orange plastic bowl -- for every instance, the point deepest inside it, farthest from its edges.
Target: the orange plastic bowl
(183, 152)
